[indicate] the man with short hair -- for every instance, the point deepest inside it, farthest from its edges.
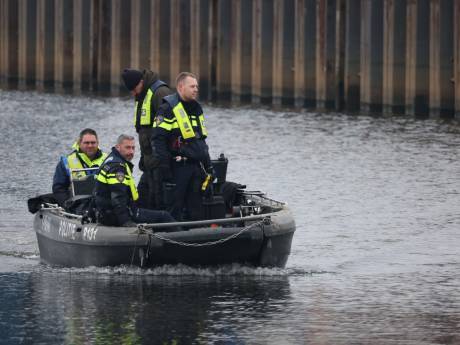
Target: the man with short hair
(86, 154)
(148, 91)
(116, 194)
(179, 139)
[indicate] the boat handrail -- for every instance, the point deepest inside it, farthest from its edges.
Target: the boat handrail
(207, 222)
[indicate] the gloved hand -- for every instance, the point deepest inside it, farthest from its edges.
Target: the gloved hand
(129, 223)
(210, 170)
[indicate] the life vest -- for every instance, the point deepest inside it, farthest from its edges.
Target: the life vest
(111, 178)
(182, 120)
(79, 160)
(145, 118)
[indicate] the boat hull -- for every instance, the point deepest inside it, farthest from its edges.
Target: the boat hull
(66, 242)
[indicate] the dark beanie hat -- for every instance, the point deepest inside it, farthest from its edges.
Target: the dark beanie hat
(131, 77)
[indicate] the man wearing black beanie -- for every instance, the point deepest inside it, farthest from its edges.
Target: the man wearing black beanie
(148, 91)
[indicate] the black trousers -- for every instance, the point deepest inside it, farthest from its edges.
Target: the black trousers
(151, 191)
(187, 201)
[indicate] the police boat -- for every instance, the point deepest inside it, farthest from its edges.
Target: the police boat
(256, 231)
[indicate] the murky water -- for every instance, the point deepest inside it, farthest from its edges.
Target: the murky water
(375, 259)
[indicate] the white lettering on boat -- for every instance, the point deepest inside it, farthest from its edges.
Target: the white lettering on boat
(89, 233)
(46, 224)
(67, 229)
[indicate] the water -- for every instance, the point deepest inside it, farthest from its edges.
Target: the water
(375, 259)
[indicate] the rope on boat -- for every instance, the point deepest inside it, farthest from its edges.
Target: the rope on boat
(60, 210)
(262, 222)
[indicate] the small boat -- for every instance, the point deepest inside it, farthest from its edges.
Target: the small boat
(258, 232)
(253, 230)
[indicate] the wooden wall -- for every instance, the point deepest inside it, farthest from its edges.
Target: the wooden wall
(366, 56)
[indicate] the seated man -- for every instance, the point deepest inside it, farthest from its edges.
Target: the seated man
(86, 154)
(116, 193)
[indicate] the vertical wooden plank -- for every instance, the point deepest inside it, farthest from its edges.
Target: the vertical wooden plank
(288, 53)
(67, 45)
(256, 51)
(31, 44)
(446, 54)
(299, 54)
(388, 54)
(340, 54)
(86, 44)
(365, 55)
(3, 42)
(394, 45)
(155, 36)
(40, 49)
(103, 24)
(321, 54)
(310, 53)
(175, 40)
(206, 46)
(22, 43)
(135, 33)
(456, 80)
(417, 58)
(399, 57)
(185, 35)
(235, 51)
(325, 54)
(77, 45)
(245, 21)
(13, 44)
(144, 31)
(267, 49)
(58, 46)
(195, 24)
(115, 49)
(371, 55)
(224, 64)
(352, 56)
(277, 70)
(434, 61)
(164, 41)
(125, 41)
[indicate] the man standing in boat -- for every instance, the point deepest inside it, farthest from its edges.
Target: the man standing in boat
(116, 194)
(148, 91)
(86, 154)
(179, 139)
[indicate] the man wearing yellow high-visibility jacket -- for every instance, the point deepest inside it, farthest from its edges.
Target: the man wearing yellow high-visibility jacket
(148, 91)
(86, 154)
(116, 193)
(179, 140)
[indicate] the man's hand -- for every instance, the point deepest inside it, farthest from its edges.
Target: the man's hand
(180, 159)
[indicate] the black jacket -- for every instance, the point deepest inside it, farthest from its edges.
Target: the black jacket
(147, 160)
(114, 201)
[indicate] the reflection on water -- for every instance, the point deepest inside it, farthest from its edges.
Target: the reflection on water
(374, 260)
(77, 308)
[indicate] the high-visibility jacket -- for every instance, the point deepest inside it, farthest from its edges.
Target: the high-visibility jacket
(115, 189)
(79, 160)
(188, 124)
(143, 112)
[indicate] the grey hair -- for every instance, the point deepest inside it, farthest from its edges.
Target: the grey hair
(124, 137)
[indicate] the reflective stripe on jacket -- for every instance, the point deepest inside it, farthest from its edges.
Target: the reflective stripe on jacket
(79, 160)
(146, 116)
(115, 178)
(183, 121)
